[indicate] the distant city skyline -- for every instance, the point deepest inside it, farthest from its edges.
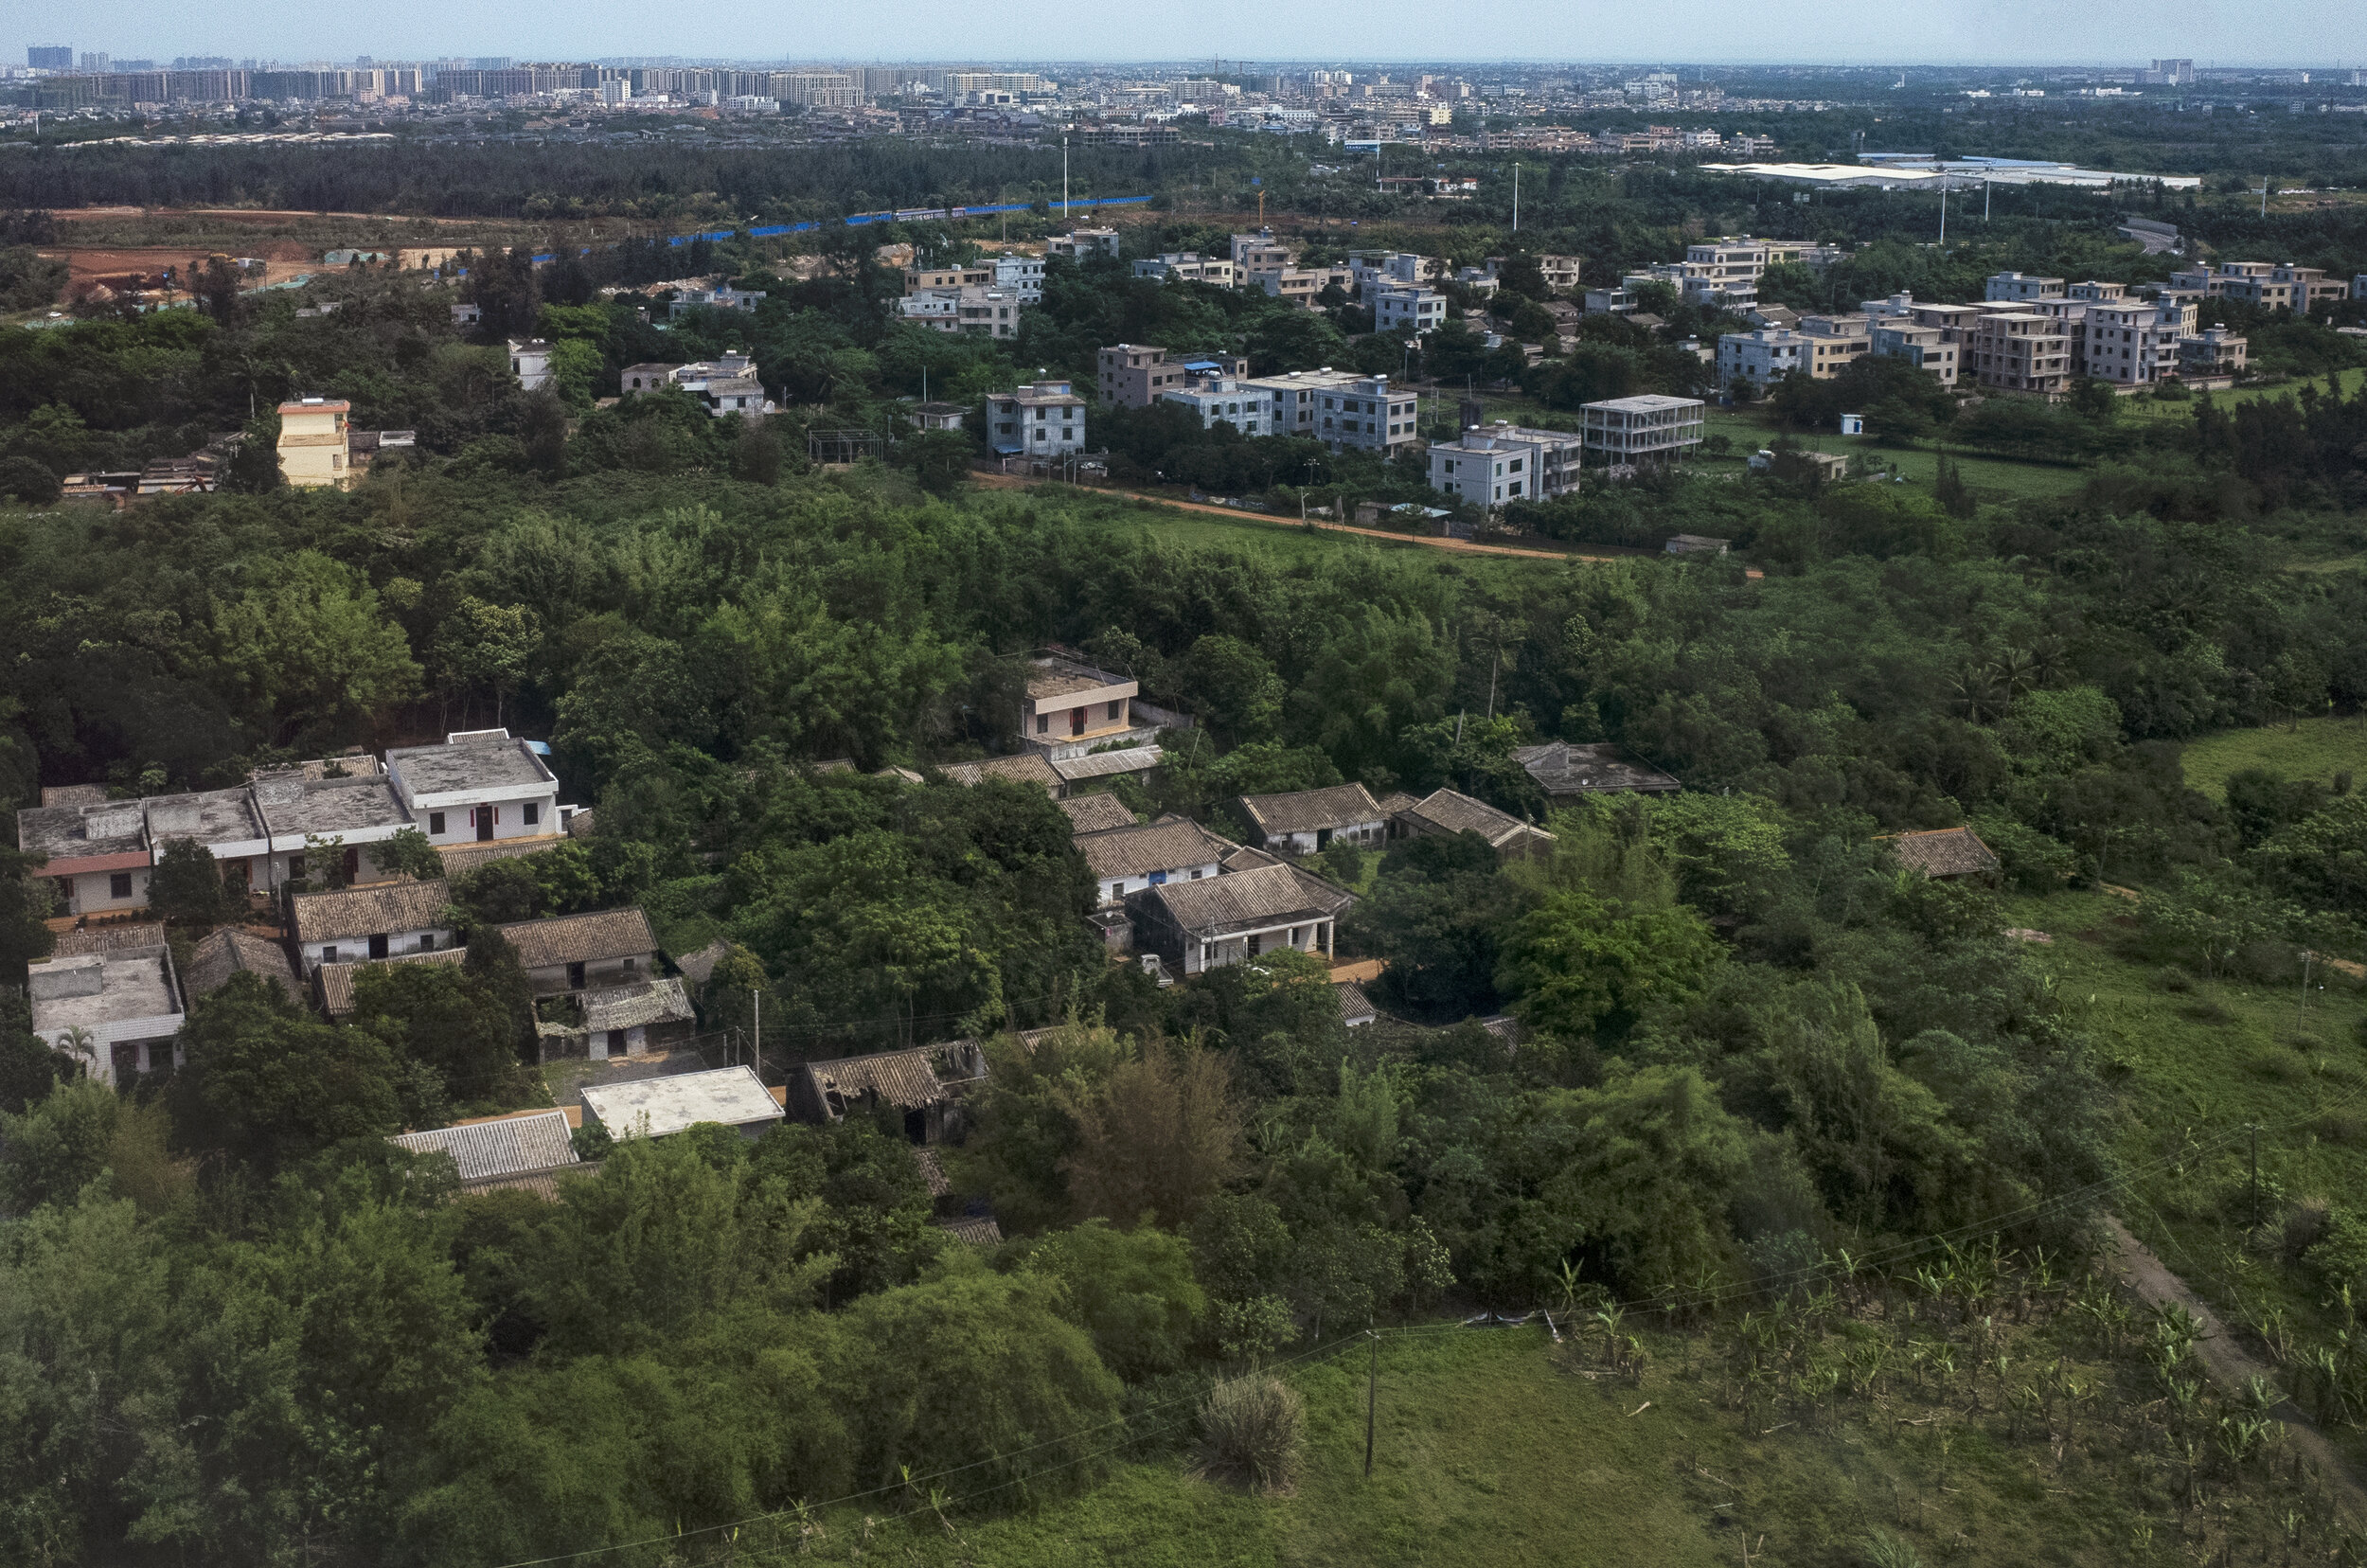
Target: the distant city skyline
(2263, 35)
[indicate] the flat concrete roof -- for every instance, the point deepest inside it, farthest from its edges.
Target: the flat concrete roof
(656, 1107)
(133, 983)
(76, 832)
(217, 816)
(329, 806)
(459, 767)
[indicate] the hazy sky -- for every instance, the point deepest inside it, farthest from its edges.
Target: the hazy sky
(1841, 31)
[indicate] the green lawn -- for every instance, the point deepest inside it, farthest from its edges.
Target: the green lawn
(2146, 408)
(2315, 748)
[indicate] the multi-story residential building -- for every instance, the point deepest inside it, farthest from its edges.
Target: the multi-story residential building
(1083, 244)
(314, 446)
(1132, 375)
(728, 384)
(1370, 268)
(981, 313)
(1262, 252)
(1039, 420)
(1928, 348)
(1020, 275)
(1399, 307)
(1072, 705)
(1488, 466)
(1608, 301)
(917, 279)
(723, 297)
(2021, 351)
(1641, 430)
(2129, 342)
(1762, 357)
(1836, 342)
(1188, 266)
(2213, 351)
(1304, 284)
(1295, 393)
(1363, 413)
(1561, 271)
(2021, 287)
(818, 89)
(1246, 406)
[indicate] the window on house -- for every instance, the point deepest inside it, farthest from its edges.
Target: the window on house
(427, 941)
(1114, 709)
(435, 821)
(119, 884)
(533, 813)
(1043, 724)
(328, 955)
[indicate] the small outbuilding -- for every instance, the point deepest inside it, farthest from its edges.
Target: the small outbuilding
(1945, 853)
(657, 1107)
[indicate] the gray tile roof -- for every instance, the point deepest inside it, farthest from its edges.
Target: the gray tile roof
(1266, 896)
(699, 967)
(933, 1172)
(226, 952)
(510, 1145)
(1451, 812)
(978, 1230)
(1168, 845)
(352, 764)
(591, 938)
(903, 1079)
(1597, 767)
(377, 909)
(1109, 764)
(636, 1006)
(1307, 811)
(335, 981)
(1025, 767)
(1095, 814)
(461, 859)
(1355, 1006)
(1944, 852)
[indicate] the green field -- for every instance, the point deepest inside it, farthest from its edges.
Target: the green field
(1497, 1447)
(2314, 748)
(2195, 1064)
(2146, 408)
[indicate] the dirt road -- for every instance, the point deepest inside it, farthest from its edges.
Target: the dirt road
(1013, 481)
(2232, 1366)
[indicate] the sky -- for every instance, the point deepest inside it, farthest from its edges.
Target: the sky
(2007, 32)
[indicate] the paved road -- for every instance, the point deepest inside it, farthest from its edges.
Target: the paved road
(2231, 1365)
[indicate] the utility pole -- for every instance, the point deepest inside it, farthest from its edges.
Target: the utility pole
(2263, 195)
(1985, 198)
(1943, 207)
(1064, 174)
(757, 1052)
(1372, 1395)
(1515, 198)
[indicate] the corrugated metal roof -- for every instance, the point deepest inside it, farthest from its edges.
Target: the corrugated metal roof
(376, 910)
(1308, 810)
(508, 1147)
(591, 938)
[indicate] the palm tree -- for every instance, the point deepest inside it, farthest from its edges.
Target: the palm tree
(80, 1044)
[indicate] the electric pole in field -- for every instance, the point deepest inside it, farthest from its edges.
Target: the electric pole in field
(1372, 1395)
(1063, 175)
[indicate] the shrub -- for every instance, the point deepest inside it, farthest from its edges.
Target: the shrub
(1252, 1430)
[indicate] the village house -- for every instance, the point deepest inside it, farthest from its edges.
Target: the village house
(479, 785)
(1071, 707)
(905, 1083)
(313, 448)
(1203, 925)
(230, 949)
(1356, 1008)
(376, 921)
(630, 1019)
(356, 812)
(119, 1010)
(657, 1107)
(1563, 768)
(502, 1152)
(98, 854)
(1944, 853)
(1304, 821)
(1130, 859)
(333, 984)
(570, 953)
(1450, 812)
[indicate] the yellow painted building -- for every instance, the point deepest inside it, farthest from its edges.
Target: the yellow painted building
(312, 443)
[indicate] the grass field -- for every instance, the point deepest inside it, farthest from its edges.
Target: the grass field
(2315, 748)
(2194, 1065)
(1497, 1447)
(2146, 408)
